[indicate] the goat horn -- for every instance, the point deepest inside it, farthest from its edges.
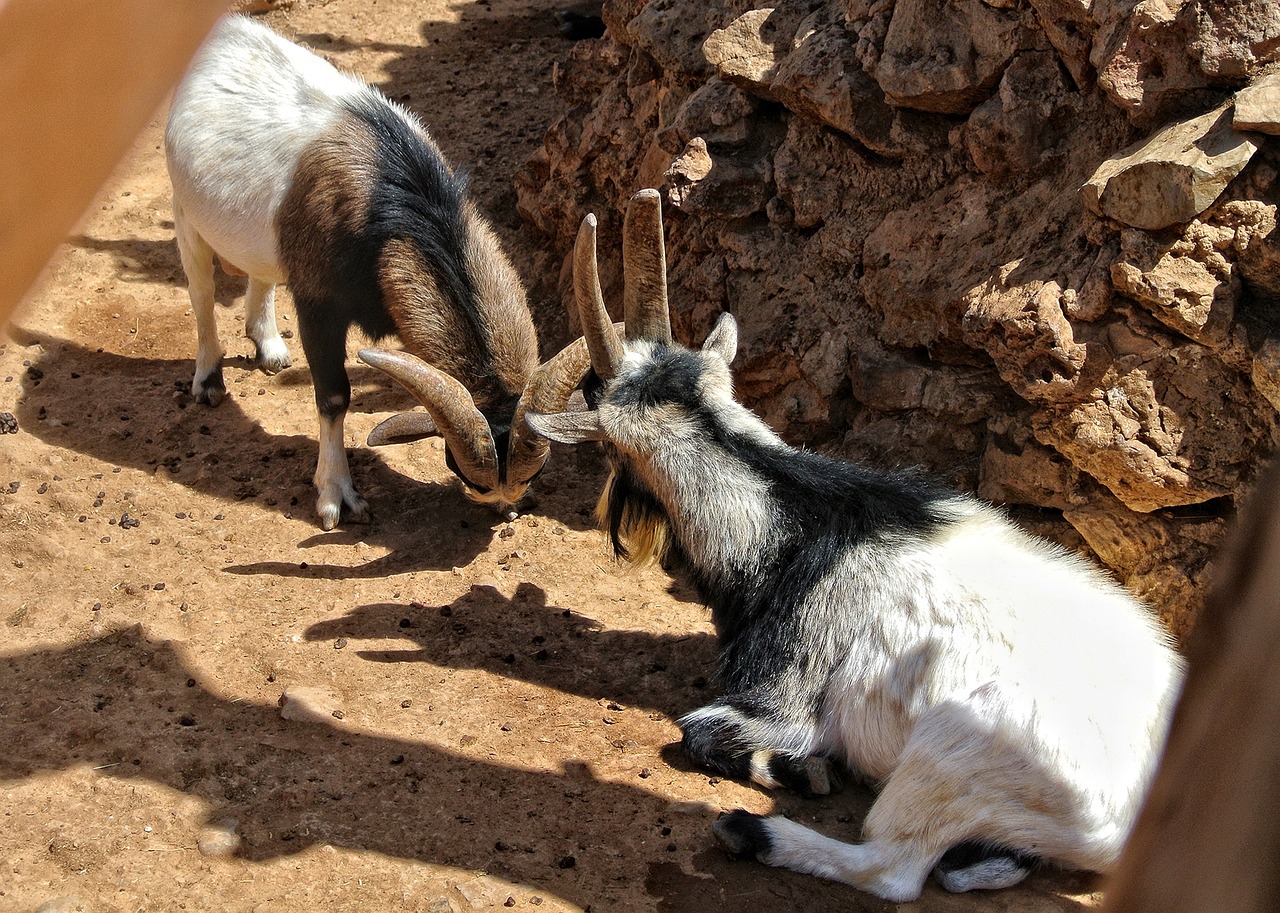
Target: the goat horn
(547, 390)
(644, 269)
(597, 327)
(452, 409)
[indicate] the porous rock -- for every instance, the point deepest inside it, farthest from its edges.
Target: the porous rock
(887, 195)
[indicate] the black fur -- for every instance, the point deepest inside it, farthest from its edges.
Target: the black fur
(214, 386)
(964, 855)
(742, 833)
(332, 264)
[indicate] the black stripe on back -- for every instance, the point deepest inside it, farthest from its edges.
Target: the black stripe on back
(418, 198)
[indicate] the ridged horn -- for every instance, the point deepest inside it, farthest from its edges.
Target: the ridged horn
(644, 269)
(547, 390)
(597, 327)
(452, 409)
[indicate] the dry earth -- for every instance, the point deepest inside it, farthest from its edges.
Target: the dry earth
(495, 700)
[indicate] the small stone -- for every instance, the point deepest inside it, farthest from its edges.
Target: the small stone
(307, 704)
(67, 904)
(484, 891)
(219, 839)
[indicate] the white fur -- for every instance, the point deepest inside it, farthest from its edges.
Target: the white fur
(242, 117)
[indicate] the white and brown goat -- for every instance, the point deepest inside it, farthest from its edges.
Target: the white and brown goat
(1007, 699)
(291, 171)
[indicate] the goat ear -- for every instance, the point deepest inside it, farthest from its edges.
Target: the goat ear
(724, 338)
(402, 428)
(566, 427)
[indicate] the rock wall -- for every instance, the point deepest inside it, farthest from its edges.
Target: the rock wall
(1030, 244)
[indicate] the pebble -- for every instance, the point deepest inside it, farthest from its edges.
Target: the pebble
(484, 891)
(219, 839)
(307, 704)
(67, 904)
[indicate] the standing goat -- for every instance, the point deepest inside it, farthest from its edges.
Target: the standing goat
(1008, 700)
(291, 171)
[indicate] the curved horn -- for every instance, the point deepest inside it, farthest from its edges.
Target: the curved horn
(597, 327)
(644, 269)
(455, 414)
(547, 390)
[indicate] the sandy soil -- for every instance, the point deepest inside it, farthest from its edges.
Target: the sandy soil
(491, 703)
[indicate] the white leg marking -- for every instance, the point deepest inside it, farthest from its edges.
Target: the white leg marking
(333, 479)
(197, 263)
(760, 772)
(272, 355)
(869, 866)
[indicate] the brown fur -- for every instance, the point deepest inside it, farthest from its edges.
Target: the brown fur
(328, 201)
(1209, 834)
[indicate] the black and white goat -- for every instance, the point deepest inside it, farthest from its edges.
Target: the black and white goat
(1008, 700)
(291, 171)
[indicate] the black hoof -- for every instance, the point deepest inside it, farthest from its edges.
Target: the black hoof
(742, 833)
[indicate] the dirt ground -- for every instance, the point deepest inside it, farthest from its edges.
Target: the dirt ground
(486, 707)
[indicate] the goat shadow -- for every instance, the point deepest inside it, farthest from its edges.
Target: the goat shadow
(131, 709)
(524, 638)
(145, 420)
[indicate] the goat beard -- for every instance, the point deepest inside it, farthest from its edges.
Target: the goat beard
(638, 527)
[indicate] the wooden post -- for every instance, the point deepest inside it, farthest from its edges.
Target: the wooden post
(1208, 838)
(78, 80)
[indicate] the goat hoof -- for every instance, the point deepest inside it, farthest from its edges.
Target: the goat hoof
(329, 516)
(349, 507)
(822, 776)
(272, 357)
(210, 391)
(742, 833)
(209, 396)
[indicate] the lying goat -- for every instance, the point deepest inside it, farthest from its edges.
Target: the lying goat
(291, 171)
(1009, 701)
